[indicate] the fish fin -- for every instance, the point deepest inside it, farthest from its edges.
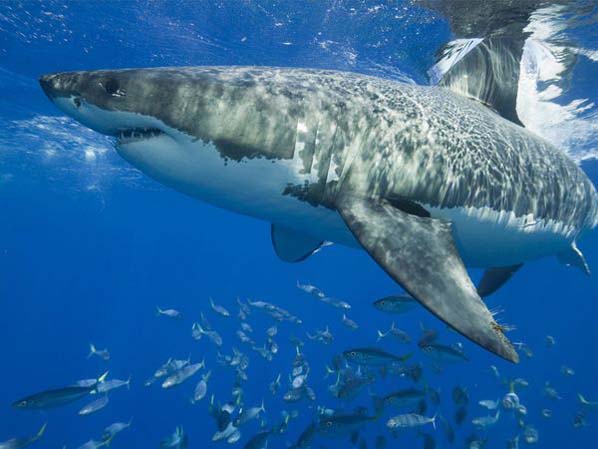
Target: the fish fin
(291, 245)
(419, 253)
(495, 278)
(574, 257)
(582, 400)
(41, 431)
(102, 378)
(486, 70)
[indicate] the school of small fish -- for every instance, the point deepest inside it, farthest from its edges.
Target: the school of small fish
(365, 383)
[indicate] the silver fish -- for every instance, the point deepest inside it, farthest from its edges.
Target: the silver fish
(211, 334)
(219, 309)
(486, 421)
(489, 404)
(247, 414)
(202, 388)
(182, 375)
(550, 392)
(373, 357)
(113, 384)
(591, 405)
(113, 429)
(170, 313)
(349, 322)
(396, 304)
(530, 434)
(94, 406)
(410, 420)
(244, 338)
(244, 310)
(311, 289)
(224, 434)
(401, 335)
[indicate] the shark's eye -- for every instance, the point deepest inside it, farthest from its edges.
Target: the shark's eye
(111, 87)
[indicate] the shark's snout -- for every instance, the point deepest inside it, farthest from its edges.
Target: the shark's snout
(57, 84)
(47, 84)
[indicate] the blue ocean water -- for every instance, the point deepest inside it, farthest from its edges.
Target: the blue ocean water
(89, 246)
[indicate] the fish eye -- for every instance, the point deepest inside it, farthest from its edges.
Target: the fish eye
(111, 87)
(328, 423)
(353, 354)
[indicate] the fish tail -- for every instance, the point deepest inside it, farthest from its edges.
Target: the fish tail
(263, 408)
(92, 350)
(381, 335)
(129, 382)
(158, 311)
(434, 420)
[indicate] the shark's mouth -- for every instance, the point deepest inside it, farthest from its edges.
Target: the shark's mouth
(138, 134)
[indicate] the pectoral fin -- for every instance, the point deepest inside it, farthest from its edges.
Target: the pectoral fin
(420, 254)
(495, 278)
(292, 246)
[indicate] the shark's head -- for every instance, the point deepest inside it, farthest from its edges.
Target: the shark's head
(244, 112)
(214, 133)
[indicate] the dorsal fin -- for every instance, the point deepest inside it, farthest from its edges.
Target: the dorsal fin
(486, 70)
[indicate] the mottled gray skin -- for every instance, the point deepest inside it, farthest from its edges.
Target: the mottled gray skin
(386, 139)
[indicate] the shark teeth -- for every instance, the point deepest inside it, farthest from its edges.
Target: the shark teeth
(128, 135)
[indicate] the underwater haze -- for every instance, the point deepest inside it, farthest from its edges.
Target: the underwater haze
(94, 251)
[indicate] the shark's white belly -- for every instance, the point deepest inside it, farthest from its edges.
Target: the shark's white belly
(254, 187)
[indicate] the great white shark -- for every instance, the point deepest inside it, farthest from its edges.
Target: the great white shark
(427, 181)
